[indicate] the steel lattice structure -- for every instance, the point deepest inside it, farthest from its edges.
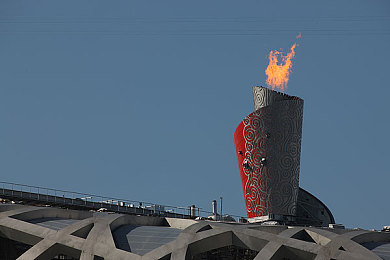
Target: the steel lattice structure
(50, 231)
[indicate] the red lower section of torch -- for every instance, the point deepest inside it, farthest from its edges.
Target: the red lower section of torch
(250, 151)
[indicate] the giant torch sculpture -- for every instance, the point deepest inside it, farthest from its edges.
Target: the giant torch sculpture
(268, 145)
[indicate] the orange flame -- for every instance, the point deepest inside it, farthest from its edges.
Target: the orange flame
(278, 74)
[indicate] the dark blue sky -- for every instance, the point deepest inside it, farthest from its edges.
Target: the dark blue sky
(140, 99)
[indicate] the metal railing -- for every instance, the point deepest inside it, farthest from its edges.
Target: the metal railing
(48, 196)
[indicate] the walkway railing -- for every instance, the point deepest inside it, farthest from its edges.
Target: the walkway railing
(71, 199)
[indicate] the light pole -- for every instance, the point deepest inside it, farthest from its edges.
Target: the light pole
(221, 207)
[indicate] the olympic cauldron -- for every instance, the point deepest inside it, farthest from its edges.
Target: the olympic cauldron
(268, 146)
